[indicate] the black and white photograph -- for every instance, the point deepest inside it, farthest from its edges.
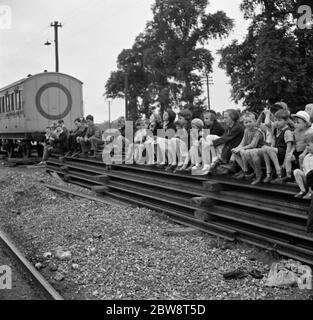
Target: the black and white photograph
(156, 155)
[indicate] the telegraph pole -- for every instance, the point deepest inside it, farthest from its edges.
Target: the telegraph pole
(209, 81)
(126, 92)
(56, 25)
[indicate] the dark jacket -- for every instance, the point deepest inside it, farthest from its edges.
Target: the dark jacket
(61, 142)
(93, 131)
(169, 125)
(231, 137)
(79, 132)
(216, 129)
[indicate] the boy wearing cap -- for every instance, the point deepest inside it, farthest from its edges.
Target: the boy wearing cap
(302, 127)
(303, 175)
(281, 146)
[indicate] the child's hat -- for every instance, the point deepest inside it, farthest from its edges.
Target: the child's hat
(281, 105)
(302, 115)
(198, 123)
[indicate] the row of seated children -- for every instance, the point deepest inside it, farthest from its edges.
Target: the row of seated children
(84, 140)
(201, 144)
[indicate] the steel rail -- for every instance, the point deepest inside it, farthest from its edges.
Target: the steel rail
(44, 285)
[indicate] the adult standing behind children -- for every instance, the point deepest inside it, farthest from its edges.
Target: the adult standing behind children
(92, 139)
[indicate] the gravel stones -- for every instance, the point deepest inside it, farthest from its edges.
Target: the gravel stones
(63, 255)
(117, 252)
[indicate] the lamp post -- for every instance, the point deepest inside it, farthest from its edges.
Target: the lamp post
(209, 81)
(55, 25)
(109, 102)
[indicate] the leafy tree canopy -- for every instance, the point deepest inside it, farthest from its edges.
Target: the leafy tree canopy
(274, 61)
(167, 59)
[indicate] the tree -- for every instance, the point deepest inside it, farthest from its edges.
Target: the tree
(181, 29)
(274, 62)
(167, 59)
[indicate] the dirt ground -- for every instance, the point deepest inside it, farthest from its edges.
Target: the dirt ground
(124, 252)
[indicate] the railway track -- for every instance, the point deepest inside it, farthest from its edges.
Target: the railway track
(43, 288)
(267, 216)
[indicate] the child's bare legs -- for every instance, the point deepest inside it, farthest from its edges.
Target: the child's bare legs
(300, 179)
(288, 165)
(247, 159)
(172, 151)
(206, 156)
(254, 158)
(161, 149)
(268, 155)
(183, 158)
(194, 156)
(150, 152)
(272, 152)
(141, 148)
(130, 154)
(238, 159)
(301, 182)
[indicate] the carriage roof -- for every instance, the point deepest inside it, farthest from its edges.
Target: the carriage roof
(16, 83)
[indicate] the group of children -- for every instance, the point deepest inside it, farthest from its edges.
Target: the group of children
(84, 140)
(275, 146)
(276, 141)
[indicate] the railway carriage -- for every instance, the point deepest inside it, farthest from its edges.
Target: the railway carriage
(31, 104)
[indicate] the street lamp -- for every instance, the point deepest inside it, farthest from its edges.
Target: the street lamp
(55, 25)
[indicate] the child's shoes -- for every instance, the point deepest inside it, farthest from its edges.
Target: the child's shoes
(301, 194)
(308, 196)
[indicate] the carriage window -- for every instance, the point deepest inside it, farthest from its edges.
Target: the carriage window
(12, 101)
(17, 100)
(7, 103)
(20, 95)
(1, 105)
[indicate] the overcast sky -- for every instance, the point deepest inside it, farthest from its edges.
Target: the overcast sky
(94, 32)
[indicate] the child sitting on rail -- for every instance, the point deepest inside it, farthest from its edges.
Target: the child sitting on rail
(155, 123)
(184, 118)
(133, 153)
(281, 147)
(301, 175)
(253, 138)
(230, 139)
(181, 136)
(169, 129)
(212, 130)
(195, 134)
(302, 127)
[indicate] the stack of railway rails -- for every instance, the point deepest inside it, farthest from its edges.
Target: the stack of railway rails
(267, 216)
